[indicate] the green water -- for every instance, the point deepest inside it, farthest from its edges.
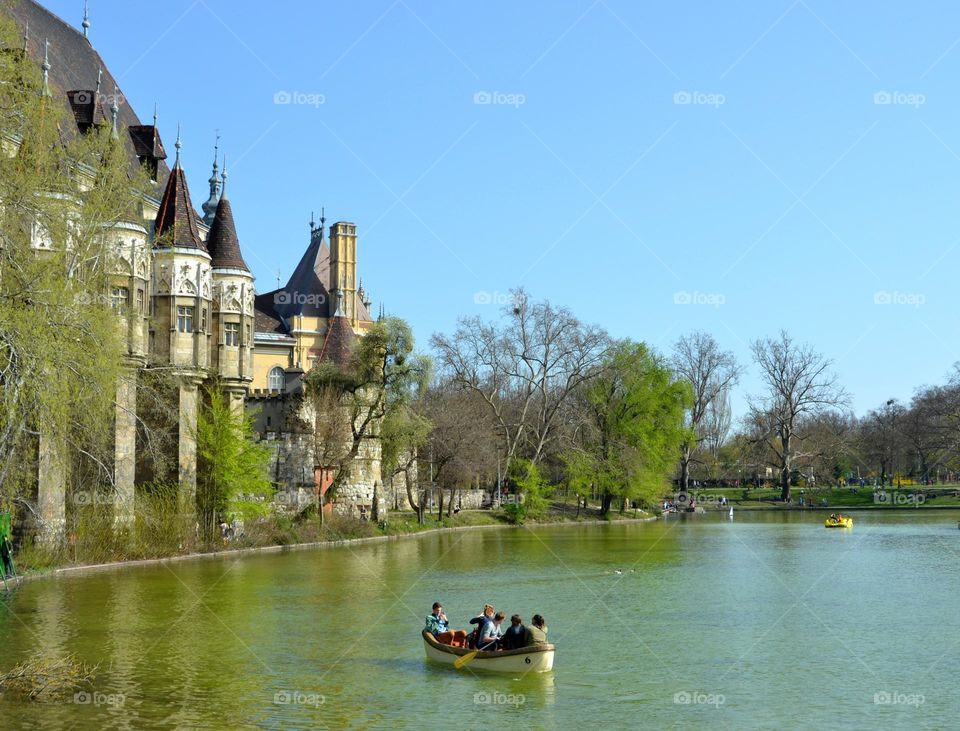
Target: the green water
(766, 621)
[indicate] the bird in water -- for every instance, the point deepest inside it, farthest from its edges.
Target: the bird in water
(618, 572)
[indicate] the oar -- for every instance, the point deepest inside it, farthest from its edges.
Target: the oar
(464, 659)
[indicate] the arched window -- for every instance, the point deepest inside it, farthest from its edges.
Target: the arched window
(275, 380)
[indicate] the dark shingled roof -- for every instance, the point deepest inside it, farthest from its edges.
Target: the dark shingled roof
(338, 343)
(74, 65)
(222, 241)
(266, 320)
(176, 221)
(307, 291)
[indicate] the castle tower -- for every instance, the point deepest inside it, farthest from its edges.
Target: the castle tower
(231, 347)
(182, 304)
(129, 292)
(343, 268)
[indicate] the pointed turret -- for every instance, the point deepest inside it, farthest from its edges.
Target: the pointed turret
(222, 241)
(210, 207)
(176, 224)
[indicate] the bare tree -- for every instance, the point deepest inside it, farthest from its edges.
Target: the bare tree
(799, 386)
(525, 368)
(711, 372)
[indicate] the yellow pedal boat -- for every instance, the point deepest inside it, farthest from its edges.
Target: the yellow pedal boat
(842, 523)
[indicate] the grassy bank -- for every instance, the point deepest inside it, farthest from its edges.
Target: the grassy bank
(937, 496)
(99, 543)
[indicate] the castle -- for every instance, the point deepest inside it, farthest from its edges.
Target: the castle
(188, 302)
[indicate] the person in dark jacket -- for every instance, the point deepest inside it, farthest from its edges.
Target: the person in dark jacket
(516, 635)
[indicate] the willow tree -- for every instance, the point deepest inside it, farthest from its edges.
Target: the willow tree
(60, 346)
(627, 447)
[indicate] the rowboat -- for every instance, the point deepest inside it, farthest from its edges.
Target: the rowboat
(842, 523)
(532, 659)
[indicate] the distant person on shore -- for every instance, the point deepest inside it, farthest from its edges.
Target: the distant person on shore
(516, 635)
(537, 632)
(484, 637)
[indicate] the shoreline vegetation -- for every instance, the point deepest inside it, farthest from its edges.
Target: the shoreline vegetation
(279, 535)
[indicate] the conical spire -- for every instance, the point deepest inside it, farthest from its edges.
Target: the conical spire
(114, 112)
(222, 241)
(86, 19)
(176, 224)
(45, 67)
(210, 207)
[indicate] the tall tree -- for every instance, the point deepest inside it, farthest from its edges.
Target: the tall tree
(524, 367)
(381, 378)
(711, 372)
(799, 386)
(636, 427)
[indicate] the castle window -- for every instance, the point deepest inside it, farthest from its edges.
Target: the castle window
(184, 319)
(119, 297)
(276, 378)
(231, 333)
(140, 301)
(203, 320)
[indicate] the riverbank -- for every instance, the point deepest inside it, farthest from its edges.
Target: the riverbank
(394, 530)
(861, 498)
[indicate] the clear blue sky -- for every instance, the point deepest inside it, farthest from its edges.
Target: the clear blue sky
(781, 196)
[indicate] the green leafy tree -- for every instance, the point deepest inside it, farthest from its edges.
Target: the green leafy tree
(232, 468)
(532, 491)
(628, 445)
(381, 379)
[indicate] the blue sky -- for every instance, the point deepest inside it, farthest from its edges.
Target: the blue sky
(656, 168)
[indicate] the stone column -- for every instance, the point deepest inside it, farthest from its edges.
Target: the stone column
(125, 449)
(51, 488)
(187, 447)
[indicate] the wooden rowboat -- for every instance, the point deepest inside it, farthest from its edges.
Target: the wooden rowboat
(532, 659)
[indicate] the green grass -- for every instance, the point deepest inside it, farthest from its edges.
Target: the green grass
(844, 497)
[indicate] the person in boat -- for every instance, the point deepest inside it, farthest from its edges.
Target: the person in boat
(438, 625)
(498, 625)
(537, 631)
(516, 635)
(833, 517)
(484, 636)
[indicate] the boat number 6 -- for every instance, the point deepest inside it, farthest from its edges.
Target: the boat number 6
(527, 660)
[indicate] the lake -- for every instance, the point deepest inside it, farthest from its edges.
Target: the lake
(767, 620)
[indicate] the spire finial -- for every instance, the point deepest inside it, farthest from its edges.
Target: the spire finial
(223, 177)
(86, 19)
(313, 225)
(115, 111)
(46, 67)
(178, 144)
(99, 77)
(26, 35)
(156, 113)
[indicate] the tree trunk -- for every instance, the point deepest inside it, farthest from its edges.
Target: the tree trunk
(605, 505)
(785, 483)
(440, 500)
